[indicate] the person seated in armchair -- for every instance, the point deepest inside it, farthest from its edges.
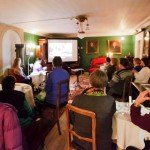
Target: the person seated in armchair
(57, 74)
(95, 99)
(105, 65)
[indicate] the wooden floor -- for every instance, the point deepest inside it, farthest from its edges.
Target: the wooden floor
(54, 141)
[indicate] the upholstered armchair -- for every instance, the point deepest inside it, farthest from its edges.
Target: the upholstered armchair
(96, 62)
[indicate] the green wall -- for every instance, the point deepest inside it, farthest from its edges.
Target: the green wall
(127, 47)
(30, 38)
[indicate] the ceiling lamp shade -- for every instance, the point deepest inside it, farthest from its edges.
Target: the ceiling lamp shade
(82, 25)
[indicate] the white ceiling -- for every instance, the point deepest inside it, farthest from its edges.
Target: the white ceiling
(106, 17)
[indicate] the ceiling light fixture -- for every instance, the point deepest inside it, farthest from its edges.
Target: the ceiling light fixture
(82, 25)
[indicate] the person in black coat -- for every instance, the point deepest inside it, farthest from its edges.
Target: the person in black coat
(17, 99)
(96, 100)
(112, 68)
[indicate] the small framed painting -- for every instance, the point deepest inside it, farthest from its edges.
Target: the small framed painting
(114, 46)
(92, 46)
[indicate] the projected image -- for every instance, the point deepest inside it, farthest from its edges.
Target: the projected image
(66, 49)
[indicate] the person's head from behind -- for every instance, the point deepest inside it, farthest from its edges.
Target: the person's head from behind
(108, 59)
(8, 83)
(136, 61)
(17, 62)
(145, 62)
(98, 79)
(114, 61)
(124, 63)
(57, 61)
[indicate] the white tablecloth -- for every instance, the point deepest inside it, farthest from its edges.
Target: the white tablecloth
(126, 133)
(38, 78)
(27, 89)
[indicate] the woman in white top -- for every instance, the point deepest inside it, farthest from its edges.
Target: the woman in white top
(143, 75)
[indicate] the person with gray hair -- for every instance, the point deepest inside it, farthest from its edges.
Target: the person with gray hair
(95, 99)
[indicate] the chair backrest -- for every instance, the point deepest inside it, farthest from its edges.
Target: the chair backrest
(71, 132)
(127, 88)
(61, 94)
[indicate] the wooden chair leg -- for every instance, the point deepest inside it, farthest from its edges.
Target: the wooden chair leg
(57, 121)
(58, 126)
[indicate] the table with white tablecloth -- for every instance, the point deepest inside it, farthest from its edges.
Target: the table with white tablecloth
(124, 131)
(27, 89)
(38, 78)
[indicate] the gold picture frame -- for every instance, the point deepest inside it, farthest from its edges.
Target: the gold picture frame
(92, 47)
(115, 46)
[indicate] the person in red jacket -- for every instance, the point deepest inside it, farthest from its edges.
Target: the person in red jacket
(141, 121)
(10, 132)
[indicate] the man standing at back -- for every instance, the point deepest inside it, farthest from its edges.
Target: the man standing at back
(54, 77)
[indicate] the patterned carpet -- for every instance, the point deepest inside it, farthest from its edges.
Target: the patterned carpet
(77, 88)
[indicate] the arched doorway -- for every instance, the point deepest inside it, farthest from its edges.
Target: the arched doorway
(10, 38)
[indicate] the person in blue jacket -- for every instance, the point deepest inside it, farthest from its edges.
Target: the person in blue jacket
(54, 77)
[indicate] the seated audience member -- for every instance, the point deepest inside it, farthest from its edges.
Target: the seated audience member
(37, 66)
(105, 65)
(130, 60)
(17, 99)
(57, 74)
(141, 121)
(137, 64)
(10, 132)
(104, 106)
(143, 75)
(117, 82)
(112, 68)
(17, 71)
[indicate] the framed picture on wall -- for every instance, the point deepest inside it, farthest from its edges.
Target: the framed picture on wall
(114, 46)
(92, 46)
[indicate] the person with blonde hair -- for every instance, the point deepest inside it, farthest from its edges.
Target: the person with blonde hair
(17, 72)
(16, 67)
(95, 99)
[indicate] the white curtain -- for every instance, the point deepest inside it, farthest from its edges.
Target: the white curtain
(139, 44)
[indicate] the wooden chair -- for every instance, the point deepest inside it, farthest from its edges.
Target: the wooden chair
(127, 89)
(71, 132)
(60, 95)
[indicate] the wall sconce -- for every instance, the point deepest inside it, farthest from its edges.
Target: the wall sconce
(109, 54)
(122, 38)
(29, 48)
